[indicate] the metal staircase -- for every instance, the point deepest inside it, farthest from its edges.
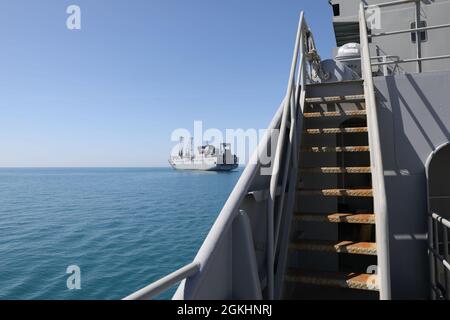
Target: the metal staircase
(333, 246)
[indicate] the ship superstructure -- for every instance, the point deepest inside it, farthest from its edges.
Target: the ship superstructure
(356, 205)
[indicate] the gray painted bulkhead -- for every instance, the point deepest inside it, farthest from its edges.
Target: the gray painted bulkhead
(399, 17)
(414, 115)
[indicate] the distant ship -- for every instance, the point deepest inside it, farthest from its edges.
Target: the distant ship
(209, 158)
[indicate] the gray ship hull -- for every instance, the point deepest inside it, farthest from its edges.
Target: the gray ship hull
(203, 166)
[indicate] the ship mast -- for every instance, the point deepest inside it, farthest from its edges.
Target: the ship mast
(181, 151)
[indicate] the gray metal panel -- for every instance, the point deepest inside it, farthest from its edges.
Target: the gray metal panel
(414, 121)
(246, 283)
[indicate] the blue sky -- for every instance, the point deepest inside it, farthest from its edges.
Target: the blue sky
(112, 93)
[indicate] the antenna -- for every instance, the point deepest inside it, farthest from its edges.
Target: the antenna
(181, 152)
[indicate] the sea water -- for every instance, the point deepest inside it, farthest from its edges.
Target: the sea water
(123, 228)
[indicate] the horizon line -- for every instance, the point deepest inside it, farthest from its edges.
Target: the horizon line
(92, 167)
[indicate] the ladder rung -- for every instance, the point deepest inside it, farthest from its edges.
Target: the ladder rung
(349, 113)
(348, 280)
(338, 192)
(365, 218)
(337, 170)
(336, 99)
(336, 130)
(350, 247)
(336, 149)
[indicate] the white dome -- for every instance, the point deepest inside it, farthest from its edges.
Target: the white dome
(349, 50)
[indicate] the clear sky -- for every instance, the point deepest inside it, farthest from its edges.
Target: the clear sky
(112, 93)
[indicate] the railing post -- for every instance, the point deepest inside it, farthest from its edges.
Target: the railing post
(446, 257)
(439, 290)
(431, 257)
(418, 37)
(436, 248)
(385, 67)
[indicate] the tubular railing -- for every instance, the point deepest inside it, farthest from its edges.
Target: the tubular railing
(165, 283)
(284, 155)
(419, 59)
(437, 257)
(382, 228)
(305, 54)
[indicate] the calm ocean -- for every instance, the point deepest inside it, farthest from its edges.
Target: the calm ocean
(124, 228)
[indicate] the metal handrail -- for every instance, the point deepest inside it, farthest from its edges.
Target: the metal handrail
(389, 4)
(277, 165)
(390, 33)
(304, 45)
(382, 233)
(165, 283)
(371, 58)
(411, 60)
(294, 115)
(296, 129)
(441, 220)
(435, 255)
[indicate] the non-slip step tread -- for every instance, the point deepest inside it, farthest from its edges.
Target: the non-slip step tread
(336, 130)
(337, 192)
(348, 113)
(352, 218)
(335, 99)
(347, 280)
(331, 83)
(349, 247)
(336, 170)
(336, 149)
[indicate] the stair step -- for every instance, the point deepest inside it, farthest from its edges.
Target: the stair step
(350, 247)
(334, 83)
(334, 114)
(336, 149)
(338, 192)
(336, 99)
(336, 130)
(337, 170)
(347, 280)
(366, 218)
